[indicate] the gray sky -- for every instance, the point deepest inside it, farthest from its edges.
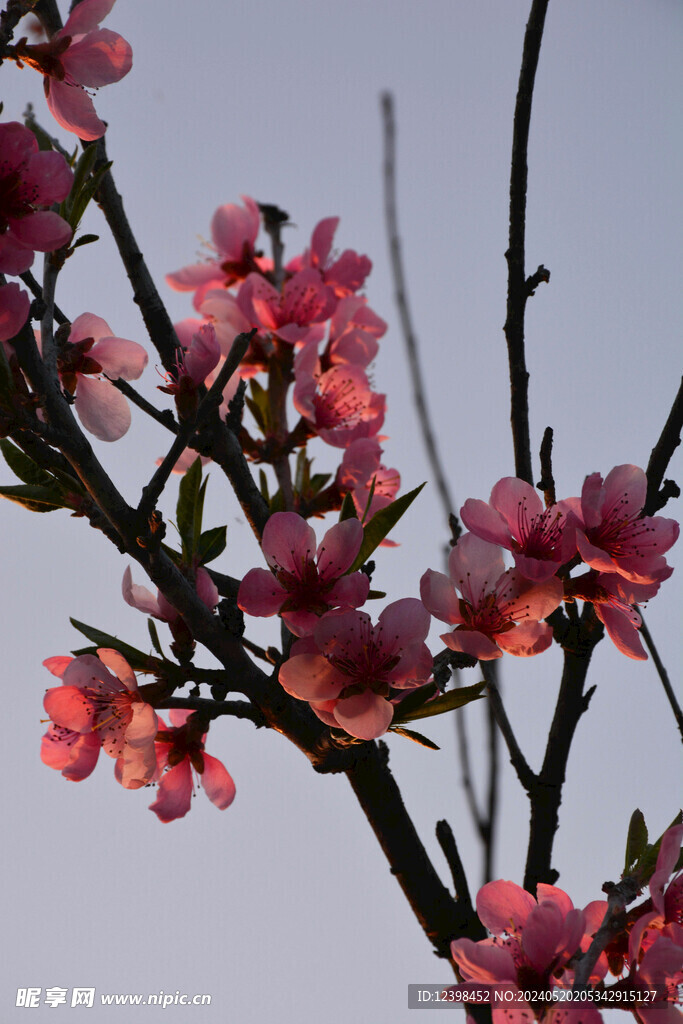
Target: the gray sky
(282, 907)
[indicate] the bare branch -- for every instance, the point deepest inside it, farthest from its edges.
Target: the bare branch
(669, 440)
(661, 671)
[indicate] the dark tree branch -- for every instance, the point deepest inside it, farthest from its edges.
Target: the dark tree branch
(401, 296)
(669, 440)
(618, 898)
(519, 288)
(517, 759)
(467, 914)
(163, 416)
(547, 481)
(215, 709)
(661, 671)
(29, 280)
(489, 836)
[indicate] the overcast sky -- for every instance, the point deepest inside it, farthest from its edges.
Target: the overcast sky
(282, 908)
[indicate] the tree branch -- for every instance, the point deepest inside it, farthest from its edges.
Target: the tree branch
(669, 440)
(519, 288)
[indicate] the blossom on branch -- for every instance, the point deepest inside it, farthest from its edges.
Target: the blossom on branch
(361, 473)
(100, 695)
(613, 598)
(615, 536)
(72, 753)
(87, 364)
(15, 306)
(346, 274)
(304, 583)
(541, 539)
(30, 180)
(348, 669)
(305, 301)
(180, 752)
(499, 610)
(80, 55)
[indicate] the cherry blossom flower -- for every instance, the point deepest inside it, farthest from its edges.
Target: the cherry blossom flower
(80, 55)
(14, 309)
(613, 598)
(348, 668)
(532, 943)
(615, 536)
(30, 180)
(304, 583)
(192, 369)
(90, 353)
(144, 600)
(339, 404)
(354, 330)
(487, 618)
(304, 301)
(361, 471)
(346, 274)
(72, 753)
(541, 539)
(100, 694)
(180, 751)
(234, 230)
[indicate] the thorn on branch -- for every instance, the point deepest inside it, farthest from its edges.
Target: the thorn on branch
(547, 481)
(542, 276)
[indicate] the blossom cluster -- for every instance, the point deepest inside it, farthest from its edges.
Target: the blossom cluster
(537, 945)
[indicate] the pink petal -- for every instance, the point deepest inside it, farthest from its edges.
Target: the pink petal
(310, 677)
(86, 16)
(14, 309)
(527, 639)
(365, 715)
(288, 542)
(117, 664)
(102, 409)
(175, 793)
(350, 591)
(504, 907)
(474, 566)
(87, 325)
(625, 486)
(438, 595)
(622, 631)
(188, 278)
(321, 240)
(232, 226)
(404, 622)
(339, 548)
(66, 707)
(669, 852)
(98, 58)
(528, 600)
(50, 176)
(485, 522)
(43, 231)
(260, 593)
(71, 107)
(217, 782)
(120, 358)
(87, 670)
(542, 934)
(510, 495)
(57, 665)
(472, 642)
(207, 591)
(139, 597)
(482, 961)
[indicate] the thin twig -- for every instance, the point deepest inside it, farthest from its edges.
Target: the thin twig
(517, 759)
(468, 785)
(492, 799)
(468, 920)
(661, 671)
(29, 280)
(163, 416)
(401, 296)
(547, 481)
(618, 898)
(519, 288)
(669, 440)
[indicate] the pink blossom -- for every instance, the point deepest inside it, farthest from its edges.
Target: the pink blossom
(533, 941)
(30, 180)
(180, 751)
(304, 583)
(338, 404)
(346, 274)
(144, 600)
(193, 367)
(615, 536)
(613, 598)
(541, 539)
(72, 753)
(304, 301)
(354, 330)
(668, 901)
(234, 230)
(487, 618)
(348, 668)
(101, 695)
(79, 55)
(91, 353)
(14, 309)
(361, 471)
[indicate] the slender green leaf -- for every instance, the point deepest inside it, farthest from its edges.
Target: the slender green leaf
(154, 636)
(375, 595)
(414, 700)
(416, 737)
(636, 841)
(381, 523)
(136, 659)
(34, 497)
(211, 544)
(263, 485)
(188, 495)
(23, 466)
(198, 516)
(85, 240)
(348, 509)
(317, 482)
(448, 701)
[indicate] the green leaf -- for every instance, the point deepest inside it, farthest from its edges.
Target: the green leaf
(263, 485)
(34, 497)
(381, 523)
(648, 861)
(136, 659)
(188, 497)
(259, 404)
(449, 701)
(348, 509)
(154, 636)
(636, 841)
(416, 737)
(211, 544)
(375, 595)
(414, 700)
(317, 482)
(85, 240)
(198, 516)
(23, 466)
